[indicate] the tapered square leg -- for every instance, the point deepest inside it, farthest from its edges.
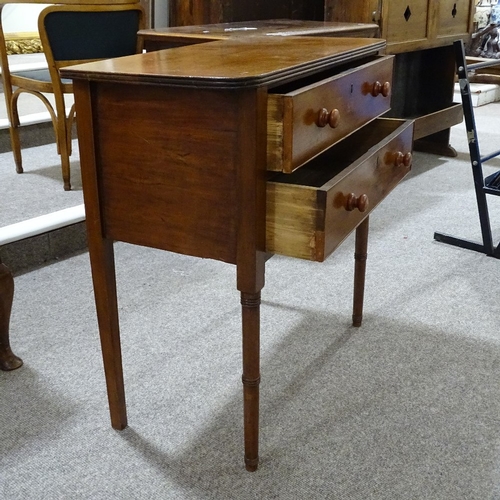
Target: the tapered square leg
(103, 275)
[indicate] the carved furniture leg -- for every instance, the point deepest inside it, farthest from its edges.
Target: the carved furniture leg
(250, 303)
(8, 360)
(360, 255)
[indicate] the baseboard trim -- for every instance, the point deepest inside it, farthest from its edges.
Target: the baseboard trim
(38, 241)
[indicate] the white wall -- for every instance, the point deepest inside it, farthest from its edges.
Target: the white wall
(21, 17)
(161, 14)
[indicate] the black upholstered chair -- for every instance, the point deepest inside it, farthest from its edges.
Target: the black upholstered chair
(70, 34)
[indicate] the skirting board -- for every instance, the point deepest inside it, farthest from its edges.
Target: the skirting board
(38, 241)
(41, 224)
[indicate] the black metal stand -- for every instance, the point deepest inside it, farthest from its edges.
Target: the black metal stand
(483, 186)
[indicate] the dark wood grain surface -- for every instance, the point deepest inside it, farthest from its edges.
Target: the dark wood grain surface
(162, 38)
(173, 152)
(249, 61)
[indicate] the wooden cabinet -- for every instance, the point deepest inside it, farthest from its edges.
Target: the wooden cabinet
(409, 25)
(191, 12)
(420, 33)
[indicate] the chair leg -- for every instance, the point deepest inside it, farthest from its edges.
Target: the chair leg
(14, 134)
(8, 360)
(65, 167)
(64, 149)
(360, 256)
(16, 148)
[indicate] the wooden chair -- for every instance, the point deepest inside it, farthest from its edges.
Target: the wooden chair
(70, 34)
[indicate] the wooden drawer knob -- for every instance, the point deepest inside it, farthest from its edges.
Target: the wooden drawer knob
(331, 118)
(359, 202)
(401, 159)
(381, 88)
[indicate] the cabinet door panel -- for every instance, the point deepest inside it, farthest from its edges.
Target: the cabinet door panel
(188, 12)
(196, 12)
(453, 17)
(405, 21)
(352, 11)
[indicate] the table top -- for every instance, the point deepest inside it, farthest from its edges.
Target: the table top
(233, 63)
(269, 27)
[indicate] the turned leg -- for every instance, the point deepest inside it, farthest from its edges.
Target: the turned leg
(8, 360)
(250, 253)
(250, 303)
(360, 255)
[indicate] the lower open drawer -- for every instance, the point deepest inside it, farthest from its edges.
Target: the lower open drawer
(311, 211)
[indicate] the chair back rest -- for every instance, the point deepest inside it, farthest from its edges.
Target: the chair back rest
(71, 34)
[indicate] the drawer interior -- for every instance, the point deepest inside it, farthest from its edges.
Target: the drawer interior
(325, 167)
(307, 211)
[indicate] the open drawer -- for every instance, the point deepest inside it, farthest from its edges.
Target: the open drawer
(307, 116)
(311, 211)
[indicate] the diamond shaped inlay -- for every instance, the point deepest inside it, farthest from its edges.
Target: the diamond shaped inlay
(407, 13)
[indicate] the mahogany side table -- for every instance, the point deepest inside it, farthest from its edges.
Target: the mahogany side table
(185, 150)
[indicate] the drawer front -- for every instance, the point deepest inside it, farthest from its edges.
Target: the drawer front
(305, 122)
(453, 17)
(309, 221)
(405, 21)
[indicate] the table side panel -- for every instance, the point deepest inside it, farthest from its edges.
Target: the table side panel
(166, 167)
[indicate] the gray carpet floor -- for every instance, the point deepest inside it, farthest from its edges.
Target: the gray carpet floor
(39, 190)
(405, 407)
